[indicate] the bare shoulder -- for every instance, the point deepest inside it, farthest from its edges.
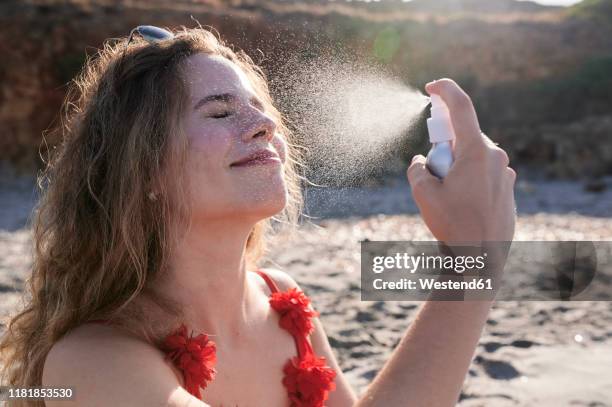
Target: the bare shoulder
(107, 367)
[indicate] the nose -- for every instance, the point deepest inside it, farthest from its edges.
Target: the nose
(263, 127)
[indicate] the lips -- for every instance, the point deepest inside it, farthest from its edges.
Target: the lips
(258, 157)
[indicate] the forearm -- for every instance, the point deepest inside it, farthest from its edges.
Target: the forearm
(430, 363)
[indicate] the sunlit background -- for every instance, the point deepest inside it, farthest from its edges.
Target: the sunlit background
(540, 77)
(557, 2)
(538, 74)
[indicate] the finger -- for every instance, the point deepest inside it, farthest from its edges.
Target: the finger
(488, 141)
(511, 175)
(462, 112)
(421, 180)
(498, 153)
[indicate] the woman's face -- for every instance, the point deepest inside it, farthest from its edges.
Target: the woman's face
(225, 122)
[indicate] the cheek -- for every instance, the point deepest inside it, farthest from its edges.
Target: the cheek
(202, 141)
(281, 147)
(207, 152)
(209, 141)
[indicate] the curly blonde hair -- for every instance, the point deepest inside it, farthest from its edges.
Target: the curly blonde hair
(99, 242)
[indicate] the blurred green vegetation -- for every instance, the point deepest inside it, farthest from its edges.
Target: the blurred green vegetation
(386, 44)
(596, 10)
(584, 91)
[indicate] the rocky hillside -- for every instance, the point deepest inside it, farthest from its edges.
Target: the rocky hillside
(539, 75)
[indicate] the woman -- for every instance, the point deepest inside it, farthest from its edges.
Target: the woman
(145, 286)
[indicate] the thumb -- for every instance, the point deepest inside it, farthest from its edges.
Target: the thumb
(421, 180)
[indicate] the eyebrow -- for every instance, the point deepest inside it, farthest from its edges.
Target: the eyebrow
(223, 97)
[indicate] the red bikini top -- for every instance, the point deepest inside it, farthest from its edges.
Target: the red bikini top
(307, 378)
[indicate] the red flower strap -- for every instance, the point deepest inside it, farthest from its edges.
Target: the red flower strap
(295, 312)
(194, 356)
(308, 379)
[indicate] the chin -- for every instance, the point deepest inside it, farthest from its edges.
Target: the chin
(267, 206)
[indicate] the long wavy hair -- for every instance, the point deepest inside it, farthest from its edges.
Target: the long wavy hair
(99, 241)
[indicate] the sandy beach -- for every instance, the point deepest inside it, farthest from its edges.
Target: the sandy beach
(531, 352)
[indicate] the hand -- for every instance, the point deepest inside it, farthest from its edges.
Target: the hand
(475, 201)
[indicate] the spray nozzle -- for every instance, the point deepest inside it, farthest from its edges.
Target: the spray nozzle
(439, 124)
(437, 103)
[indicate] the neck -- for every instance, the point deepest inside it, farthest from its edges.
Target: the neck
(208, 276)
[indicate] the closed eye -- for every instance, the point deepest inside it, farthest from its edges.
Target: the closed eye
(220, 115)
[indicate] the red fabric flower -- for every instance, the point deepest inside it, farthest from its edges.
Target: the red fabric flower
(195, 357)
(308, 381)
(295, 312)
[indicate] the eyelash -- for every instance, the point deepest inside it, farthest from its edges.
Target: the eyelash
(228, 113)
(220, 115)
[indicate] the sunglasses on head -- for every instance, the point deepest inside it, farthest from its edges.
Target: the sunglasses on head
(150, 33)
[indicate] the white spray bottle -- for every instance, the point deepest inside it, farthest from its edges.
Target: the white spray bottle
(441, 134)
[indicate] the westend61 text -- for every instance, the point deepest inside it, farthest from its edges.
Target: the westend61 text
(433, 284)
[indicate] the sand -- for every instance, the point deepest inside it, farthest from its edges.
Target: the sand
(531, 352)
